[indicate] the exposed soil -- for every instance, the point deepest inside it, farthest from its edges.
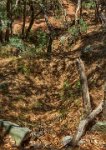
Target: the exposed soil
(40, 23)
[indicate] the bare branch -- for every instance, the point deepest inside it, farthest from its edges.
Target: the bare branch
(84, 123)
(16, 4)
(77, 11)
(84, 84)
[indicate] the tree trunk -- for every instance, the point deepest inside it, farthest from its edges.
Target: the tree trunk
(7, 34)
(50, 35)
(32, 18)
(97, 15)
(78, 12)
(85, 90)
(1, 32)
(85, 122)
(49, 48)
(24, 18)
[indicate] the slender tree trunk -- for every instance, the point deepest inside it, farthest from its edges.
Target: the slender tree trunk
(97, 15)
(50, 35)
(78, 12)
(49, 48)
(32, 18)
(1, 32)
(85, 90)
(31, 23)
(7, 34)
(11, 20)
(24, 18)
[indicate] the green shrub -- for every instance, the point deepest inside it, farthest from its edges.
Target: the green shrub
(74, 31)
(89, 4)
(39, 39)
(78, 85)
(24, 69)
(17, 42)
(66, 92)
(83, 26)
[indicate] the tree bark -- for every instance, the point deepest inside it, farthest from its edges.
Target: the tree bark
(78, 11)
(85, 122)
(24, 18)
(85, 90)
(1, 32)
(97, 15)
(7, 34)
(50, 35)
(32, 18)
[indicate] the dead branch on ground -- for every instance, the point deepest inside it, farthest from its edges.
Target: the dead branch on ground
(90, 114)
(85, 91)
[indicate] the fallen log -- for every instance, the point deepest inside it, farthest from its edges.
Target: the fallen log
(89, 115)
(85, 122)
(83, 126)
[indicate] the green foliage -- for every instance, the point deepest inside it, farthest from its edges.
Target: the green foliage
(66, 85)
(24, 69)
(32, 52)
(17, 43)
(39, 105)
(4, 21)
(83, 25)
(66, 92)
(39, 39)
(78, 85)
(74, 30)
(28, 53)
(3, 15)
(89, 4)
(58, 13)
(2, 9)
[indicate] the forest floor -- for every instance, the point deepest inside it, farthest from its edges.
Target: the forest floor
(45, 95)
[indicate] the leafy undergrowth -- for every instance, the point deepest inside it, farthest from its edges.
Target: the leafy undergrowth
(45, 95)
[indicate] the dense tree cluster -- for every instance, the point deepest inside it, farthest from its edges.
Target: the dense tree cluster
(11, 10)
